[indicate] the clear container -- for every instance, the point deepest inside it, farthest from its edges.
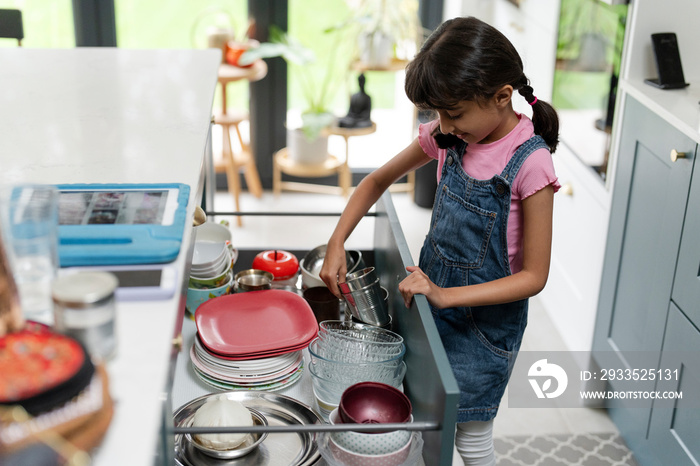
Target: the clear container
(84, 308)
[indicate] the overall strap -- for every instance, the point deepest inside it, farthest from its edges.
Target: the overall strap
(458, 151)
(536, 142)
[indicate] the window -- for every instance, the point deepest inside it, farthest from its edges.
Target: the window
(46, 23)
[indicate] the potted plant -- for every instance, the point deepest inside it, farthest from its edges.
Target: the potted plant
(309, 143)
(384, 30)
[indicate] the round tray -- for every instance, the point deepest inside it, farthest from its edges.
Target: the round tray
(289, 448)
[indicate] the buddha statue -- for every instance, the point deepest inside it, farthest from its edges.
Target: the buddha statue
(360, 108)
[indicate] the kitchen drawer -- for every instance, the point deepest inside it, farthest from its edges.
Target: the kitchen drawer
(686, 285)
(674, 433)
(429, 382)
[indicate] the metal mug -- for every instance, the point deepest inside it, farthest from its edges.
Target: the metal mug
(369, 304)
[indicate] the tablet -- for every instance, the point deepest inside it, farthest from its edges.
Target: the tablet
(116, 224)
(138, 282)
(117, 206)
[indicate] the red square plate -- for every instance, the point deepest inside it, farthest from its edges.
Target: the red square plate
(253, 322)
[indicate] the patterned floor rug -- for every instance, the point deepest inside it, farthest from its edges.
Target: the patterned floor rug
(606, 449)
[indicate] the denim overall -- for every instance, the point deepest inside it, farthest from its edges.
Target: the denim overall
(467, 245)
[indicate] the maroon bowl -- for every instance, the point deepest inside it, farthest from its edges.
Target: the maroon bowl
(373, 403)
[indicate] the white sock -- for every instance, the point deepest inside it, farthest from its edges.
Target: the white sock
(474, 442)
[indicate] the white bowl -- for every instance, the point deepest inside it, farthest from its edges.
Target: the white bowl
(207, 253)
(335, 455)
(369, 443)
(214, 269)
(210, 231)
(211, 279)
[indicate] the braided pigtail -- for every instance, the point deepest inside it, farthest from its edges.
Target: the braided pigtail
(544, 117)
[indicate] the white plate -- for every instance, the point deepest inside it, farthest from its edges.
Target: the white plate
(267, 387)
(251, 365)
(242, 376)
(246, 381)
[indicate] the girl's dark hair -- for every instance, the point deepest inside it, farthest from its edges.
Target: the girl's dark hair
(467, 59)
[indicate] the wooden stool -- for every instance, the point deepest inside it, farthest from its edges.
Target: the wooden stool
(331, 166)
(233, 162)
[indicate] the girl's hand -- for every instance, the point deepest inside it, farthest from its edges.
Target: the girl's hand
(419, 283)
(334, 268)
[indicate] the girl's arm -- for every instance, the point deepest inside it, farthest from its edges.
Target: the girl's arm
(537, 245)
(363, 198)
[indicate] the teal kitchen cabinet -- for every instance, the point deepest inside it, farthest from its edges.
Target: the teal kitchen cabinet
(646, 224)
(675, 423)
(686, 285)
(674, 432)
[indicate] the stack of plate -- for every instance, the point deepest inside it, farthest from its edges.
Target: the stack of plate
(237, 348)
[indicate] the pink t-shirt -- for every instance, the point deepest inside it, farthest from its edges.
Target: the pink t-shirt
(483, 161)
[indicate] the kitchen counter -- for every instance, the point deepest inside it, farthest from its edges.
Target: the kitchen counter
(106, 115)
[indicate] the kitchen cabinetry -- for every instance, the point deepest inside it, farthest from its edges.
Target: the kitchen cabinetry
(647, 310)
(578, 235)
(674, 427)
(686, 287)
(647, 216)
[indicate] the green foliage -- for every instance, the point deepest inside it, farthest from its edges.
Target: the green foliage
(581, 17)
(316, 116)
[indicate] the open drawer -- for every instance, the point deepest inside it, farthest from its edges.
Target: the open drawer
(429, 382)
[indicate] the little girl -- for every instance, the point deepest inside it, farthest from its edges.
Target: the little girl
(488, 247)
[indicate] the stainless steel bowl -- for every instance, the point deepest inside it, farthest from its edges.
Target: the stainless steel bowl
(248, 445)
(312, 263)
(253, 280)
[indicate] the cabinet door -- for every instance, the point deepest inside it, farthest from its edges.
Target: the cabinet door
(646, 220)
(578, 240)
(686, 285)
(647, 212)
(674, 433)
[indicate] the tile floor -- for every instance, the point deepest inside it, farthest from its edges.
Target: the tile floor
(308, 232)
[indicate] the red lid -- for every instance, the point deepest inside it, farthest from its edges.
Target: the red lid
(281, 264)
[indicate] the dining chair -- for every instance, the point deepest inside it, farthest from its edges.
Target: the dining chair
(11, 25)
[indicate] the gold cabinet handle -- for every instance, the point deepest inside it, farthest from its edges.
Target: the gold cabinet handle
(567, 189)
(675, 155)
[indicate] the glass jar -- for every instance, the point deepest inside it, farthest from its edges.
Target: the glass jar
(84, 308)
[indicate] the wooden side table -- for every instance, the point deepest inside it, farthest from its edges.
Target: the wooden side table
(347, 133)
(282, 163)
(229, 73)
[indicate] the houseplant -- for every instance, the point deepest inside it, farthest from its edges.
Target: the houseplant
(309, 143)
(384, 30)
